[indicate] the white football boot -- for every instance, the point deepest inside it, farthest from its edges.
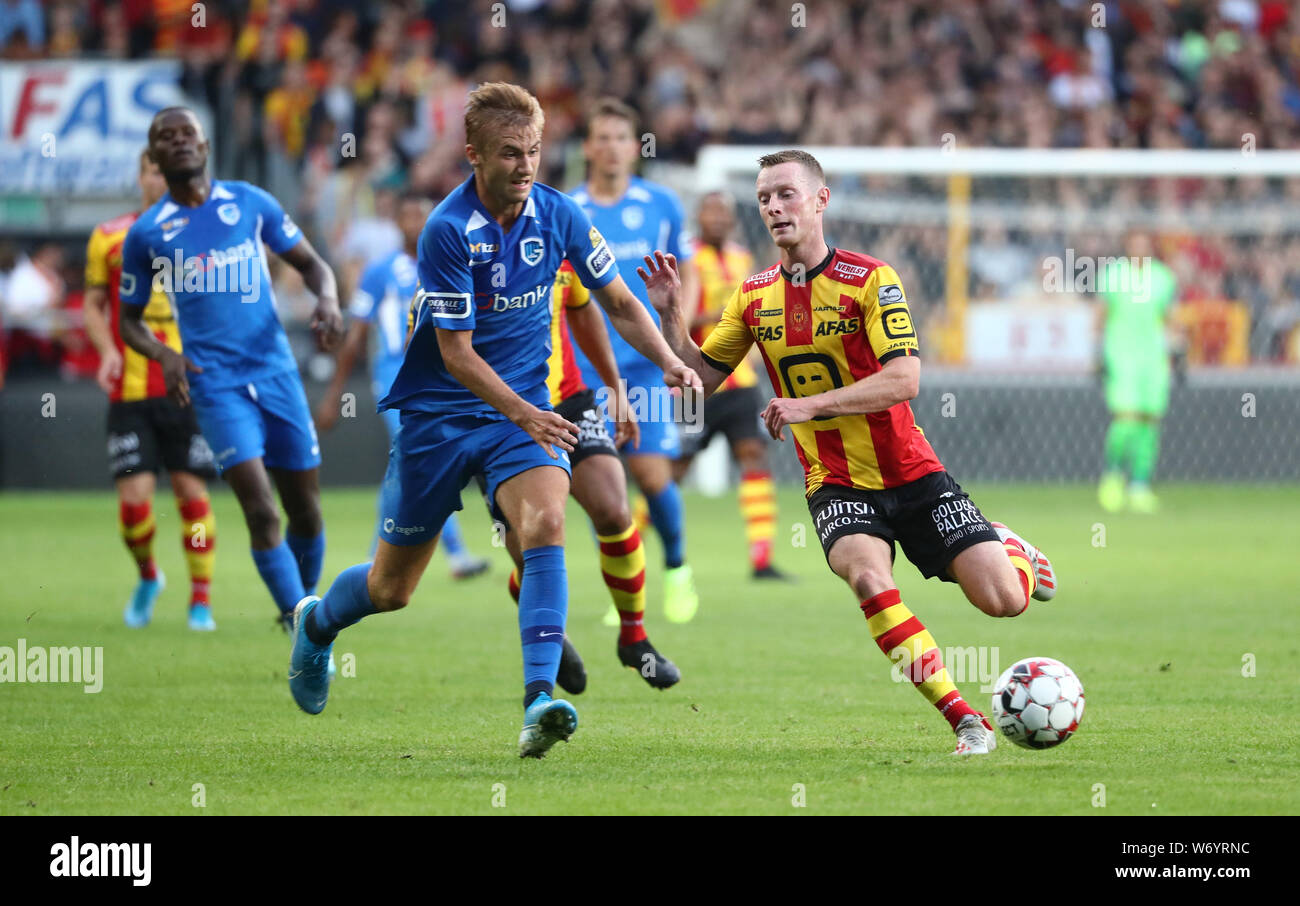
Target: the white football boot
(974, 736)
(1044, 575)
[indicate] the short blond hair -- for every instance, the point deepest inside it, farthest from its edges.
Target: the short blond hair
(496, 106)
(802, 158)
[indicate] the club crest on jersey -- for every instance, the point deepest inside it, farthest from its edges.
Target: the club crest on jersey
(633, 217)
(531, 250)
(229, 213)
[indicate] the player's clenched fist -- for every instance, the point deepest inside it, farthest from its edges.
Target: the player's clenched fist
(174, 365)
(327, 322)
(681, 376)
(549, 428)
(781, 412)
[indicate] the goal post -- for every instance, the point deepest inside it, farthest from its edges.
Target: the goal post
(999, 247)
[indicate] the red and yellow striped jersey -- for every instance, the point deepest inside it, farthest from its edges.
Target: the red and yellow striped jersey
(564, 379)
(720, 272)
(835, 326)
(141, 378)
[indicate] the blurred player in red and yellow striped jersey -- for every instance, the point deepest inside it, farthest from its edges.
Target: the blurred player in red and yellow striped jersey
(839, 346)
(147, 430)
(599, 484)
(720, 266)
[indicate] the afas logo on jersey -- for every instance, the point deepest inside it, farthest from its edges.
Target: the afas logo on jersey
(531, 250)
(837, 328)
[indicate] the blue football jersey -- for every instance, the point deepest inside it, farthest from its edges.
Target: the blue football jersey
(475, 276)
(646, 218)
(211, 262)
(382, 298)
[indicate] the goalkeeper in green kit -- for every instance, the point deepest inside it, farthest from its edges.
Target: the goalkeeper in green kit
(1139, 293)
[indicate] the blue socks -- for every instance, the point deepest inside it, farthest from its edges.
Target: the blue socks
(310, 553)
(279, 570)
(345, 603)
(666, 514)
(452, 540)
(543, 607)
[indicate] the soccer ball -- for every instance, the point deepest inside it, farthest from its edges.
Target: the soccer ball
(1038, 703)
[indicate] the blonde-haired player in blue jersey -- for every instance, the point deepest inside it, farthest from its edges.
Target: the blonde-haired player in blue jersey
(474, 399)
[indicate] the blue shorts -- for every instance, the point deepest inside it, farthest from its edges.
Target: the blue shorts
(650, 400)
(435, 456)
(268, 417)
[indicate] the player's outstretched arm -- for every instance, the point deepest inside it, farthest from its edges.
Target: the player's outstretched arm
(633, 323)
(664, 286)
(468, 367)
(896, 382)
(588, 329)
(327, 319)
(130, 324)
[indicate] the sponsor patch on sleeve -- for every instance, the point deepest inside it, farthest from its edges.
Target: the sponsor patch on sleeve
(444, 305)
(897, 322)
(891, 294)
(600, 260)
(596, 239)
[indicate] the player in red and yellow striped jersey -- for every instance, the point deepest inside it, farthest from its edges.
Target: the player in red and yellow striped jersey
(146, 430)
(598, 483)
(840, 349)
(720, 266)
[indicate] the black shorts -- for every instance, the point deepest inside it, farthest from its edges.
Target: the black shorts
(593, 436)
(733, 413)
(932, 518)
(146, 435)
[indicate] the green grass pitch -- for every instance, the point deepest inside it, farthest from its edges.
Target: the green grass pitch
(785, 698)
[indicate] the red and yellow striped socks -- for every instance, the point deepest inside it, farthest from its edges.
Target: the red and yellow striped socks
(137, 524)
(903, 638)
(622, 563)
(1024, 569)
(199, 538)
(758, 509)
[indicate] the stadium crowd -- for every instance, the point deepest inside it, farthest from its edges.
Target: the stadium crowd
(336, 106)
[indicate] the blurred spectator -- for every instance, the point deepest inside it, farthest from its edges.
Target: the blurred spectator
(33, 294)
(22, 28)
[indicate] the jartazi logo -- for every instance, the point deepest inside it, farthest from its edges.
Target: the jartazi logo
(103, 860)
